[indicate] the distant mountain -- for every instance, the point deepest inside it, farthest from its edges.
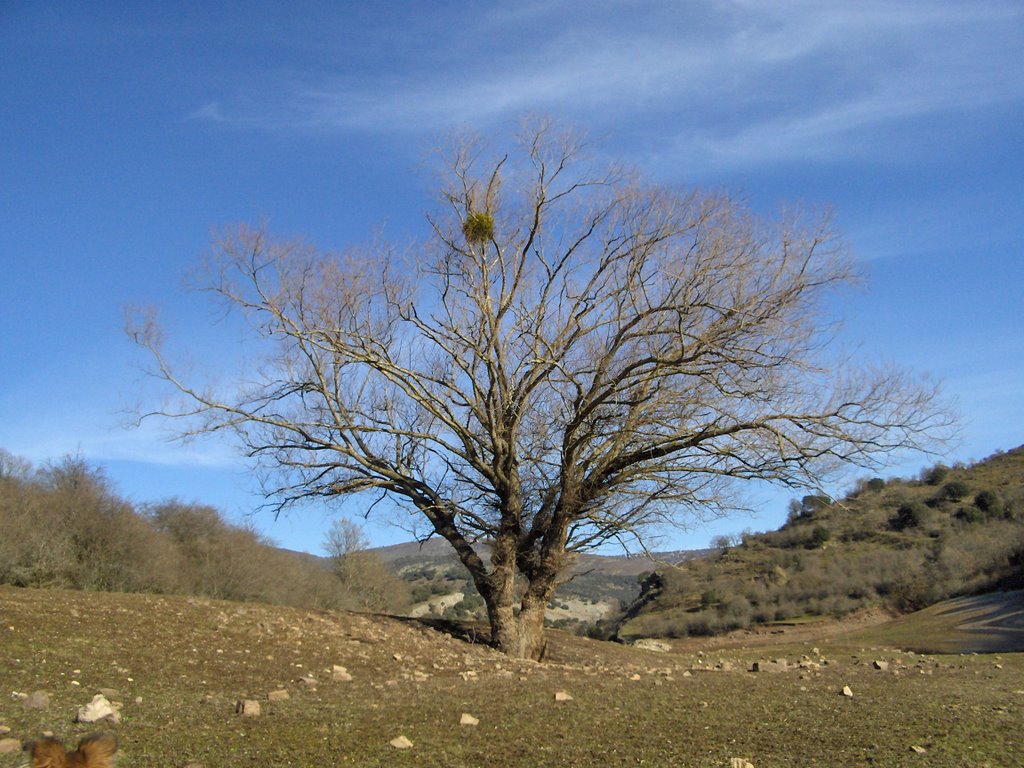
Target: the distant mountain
(902, 544)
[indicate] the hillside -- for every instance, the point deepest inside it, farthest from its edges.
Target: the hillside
(595, 589)
(897, 544)
(335, 688)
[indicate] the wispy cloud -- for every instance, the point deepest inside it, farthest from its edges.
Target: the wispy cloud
(211, 111)
(746, 81)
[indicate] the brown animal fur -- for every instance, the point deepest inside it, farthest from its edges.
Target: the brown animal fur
(96, 751)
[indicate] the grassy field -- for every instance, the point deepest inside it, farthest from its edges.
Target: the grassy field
(179, 665)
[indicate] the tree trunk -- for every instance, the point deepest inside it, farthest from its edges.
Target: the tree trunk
(519, 636)
(516, 634)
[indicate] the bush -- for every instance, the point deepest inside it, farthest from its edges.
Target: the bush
(970, 514)
(935, 475)
(955, 490)
(909, 515)
(820, 535)
(988, 502)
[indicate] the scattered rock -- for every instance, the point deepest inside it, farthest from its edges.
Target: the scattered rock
(919, 750)
(650, 644)
(468, 719)
(311, 682)
(247, 708)
(880, 665)
(98, 709)
(740, 762)
(401, 742)
(562, 696)
(4, 730)
(279, 695)
(9, 746)
(778, 665)
(847, 691)
(36, 700)
(339, 674)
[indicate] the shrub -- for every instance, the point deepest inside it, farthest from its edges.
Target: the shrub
(935, 475)
(970, 514)
(909, 515)
(955, 490)
(988, 502)
(820, 535)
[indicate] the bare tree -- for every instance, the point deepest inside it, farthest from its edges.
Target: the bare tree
(367, 581)
(572, 357)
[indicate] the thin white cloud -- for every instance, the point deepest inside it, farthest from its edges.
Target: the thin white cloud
(749, 81)
(211, 111)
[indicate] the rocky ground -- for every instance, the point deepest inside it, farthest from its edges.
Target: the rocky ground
(203, 683)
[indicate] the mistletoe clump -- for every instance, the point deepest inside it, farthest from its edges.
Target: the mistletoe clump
(478, 228)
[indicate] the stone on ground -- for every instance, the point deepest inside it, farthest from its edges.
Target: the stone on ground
(650, 644)
(340, 675)
(98, 709)
(248, 708)
(36, 700)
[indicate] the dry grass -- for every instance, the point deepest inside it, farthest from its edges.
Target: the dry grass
(179, 665)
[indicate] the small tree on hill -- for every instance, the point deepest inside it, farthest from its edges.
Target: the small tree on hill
(366, 580)
(572, 357)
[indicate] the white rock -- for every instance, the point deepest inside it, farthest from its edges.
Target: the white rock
(468, 719)
(650, 644)
(400, 742)
(562, 696)
(847, 691)
(98, 709)
(340, 674)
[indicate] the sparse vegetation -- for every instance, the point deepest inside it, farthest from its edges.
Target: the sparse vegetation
(180, 664)
(899, 544)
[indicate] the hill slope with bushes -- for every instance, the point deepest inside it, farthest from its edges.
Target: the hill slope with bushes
(899, 544)
(64, 526)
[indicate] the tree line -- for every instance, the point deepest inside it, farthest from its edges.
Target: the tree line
(65, 526)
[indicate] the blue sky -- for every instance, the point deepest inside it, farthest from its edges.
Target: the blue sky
(129, 131)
